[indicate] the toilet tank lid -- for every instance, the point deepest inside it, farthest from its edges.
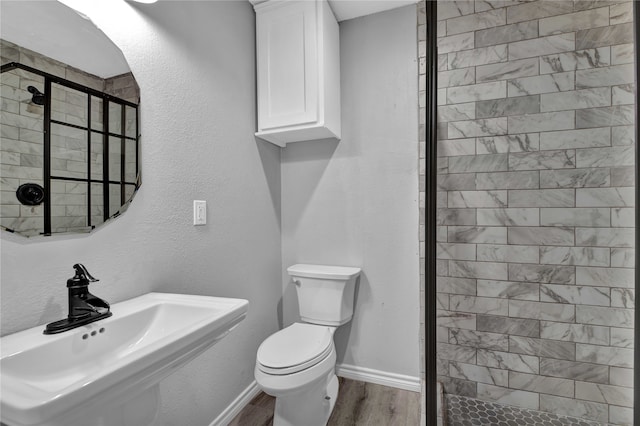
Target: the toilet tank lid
(323, 271)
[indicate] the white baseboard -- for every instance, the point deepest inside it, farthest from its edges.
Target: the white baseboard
(378, 377)
(237, 405)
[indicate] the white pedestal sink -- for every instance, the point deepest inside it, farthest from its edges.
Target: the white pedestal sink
(106, 373)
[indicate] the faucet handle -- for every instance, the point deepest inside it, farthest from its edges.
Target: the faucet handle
(82, 277)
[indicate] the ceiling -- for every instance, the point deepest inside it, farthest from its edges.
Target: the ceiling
(349, 9)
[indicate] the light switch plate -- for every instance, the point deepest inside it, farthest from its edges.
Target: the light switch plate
(199, 212)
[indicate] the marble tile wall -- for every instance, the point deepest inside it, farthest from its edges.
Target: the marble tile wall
(536, 204)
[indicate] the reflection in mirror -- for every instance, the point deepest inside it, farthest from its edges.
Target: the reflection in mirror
(69, 151)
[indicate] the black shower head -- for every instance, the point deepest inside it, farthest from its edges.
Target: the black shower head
(38, 97)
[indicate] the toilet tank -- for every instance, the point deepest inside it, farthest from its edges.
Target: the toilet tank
(325, 293)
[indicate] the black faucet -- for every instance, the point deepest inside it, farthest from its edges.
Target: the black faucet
(84, 307)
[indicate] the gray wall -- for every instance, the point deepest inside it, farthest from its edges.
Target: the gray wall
(194, 62)
(536, 204)
(355, 202)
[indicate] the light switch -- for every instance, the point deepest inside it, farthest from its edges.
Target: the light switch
(199, 212)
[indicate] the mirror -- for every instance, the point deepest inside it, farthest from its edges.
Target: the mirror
(69, 147)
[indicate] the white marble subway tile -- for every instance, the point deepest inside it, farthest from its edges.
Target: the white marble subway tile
(622, 176)
(576, 295)
(623, 298)
(623, 94)
(580, 333)
(482, 5)
(622, 54)
(542, 347)
(541, 198)
(458, 251)
(525, 142)
(456, 319)
(478, 56)
(507, 70)
(542, 274)
(622, 135)
(477, 234)
(456, 147)
(508, 106)
(574, 370)
(477, 21)
(475, 373)
(604, 36)
(548, 83)
(456, 43)
(472, 199)
(442, 302)
(508, 253)
(442, 267)
(602, 316)
(605, 197)
(477, 92)
(453, 285)
(605, 157)
(542, 46)
(622, 258)
(456, 217)
(457, 112)
(538, 9)
(582, 256)
(621, 13)
(541, 384)
(574, 178)
(621, 415)
(542, 311)
(584, 138)
(543, 160)
(616, 357)
(508, 217)
(478, 163)
(576, 99)
(591, 4)
(480, 305)
(456, 352)
(578, 60)
(582, 20)
(481, 127)
(605, 76)
(508, 180)
(621, 377)
(457, 181)
(479, 339)
(605, 277)
(510, 326)
(458, 77)
(561, 120)
(575, 408)
(443, 63)
(506, 33)
(605, 237)
(509, 290)
(607, 394)
(508, 361)
(502, 395)
(479, 270)
(454, 8)
(442, 98)
(622, 337)
(575, 217)
(547, 236)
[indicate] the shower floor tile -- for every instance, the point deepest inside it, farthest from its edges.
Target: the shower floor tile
(464, 411)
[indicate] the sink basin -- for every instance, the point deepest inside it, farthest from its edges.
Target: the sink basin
(63, 379)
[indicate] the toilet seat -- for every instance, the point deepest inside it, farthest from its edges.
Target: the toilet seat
(295, 348)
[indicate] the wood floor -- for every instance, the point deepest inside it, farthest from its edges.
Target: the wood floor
(358, 404)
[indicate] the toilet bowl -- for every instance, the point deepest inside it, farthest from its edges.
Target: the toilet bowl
(297, 364)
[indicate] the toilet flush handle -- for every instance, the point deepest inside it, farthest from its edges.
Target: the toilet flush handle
(296, 282)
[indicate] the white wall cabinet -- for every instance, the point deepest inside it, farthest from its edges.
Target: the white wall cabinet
(298, 71)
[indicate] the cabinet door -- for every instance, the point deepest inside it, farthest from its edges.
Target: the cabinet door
(287, 58)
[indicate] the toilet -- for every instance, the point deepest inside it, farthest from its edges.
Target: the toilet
(297, 364)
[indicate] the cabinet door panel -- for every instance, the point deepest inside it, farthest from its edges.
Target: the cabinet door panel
(287, 65)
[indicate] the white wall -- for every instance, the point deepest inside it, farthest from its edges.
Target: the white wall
(194, 62)
(355, 202)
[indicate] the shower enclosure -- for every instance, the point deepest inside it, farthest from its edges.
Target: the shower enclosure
(530, 211)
